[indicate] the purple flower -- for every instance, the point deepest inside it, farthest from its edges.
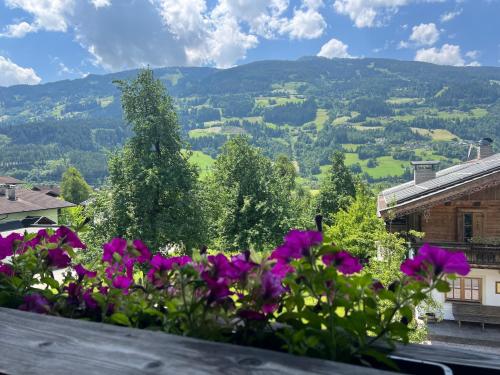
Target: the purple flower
(160, 265)
(67, 236)
(242, 264)
(432, 261)
(271, 290)
(297, 244)
(117, 245)
(221, 267)
(6, 270)
(58, 258)
(251, 315)
(281, 269)
(144, 252)
(82, 272)
(122, 282)
(377, 286)
(90, 302)
(35, 303)
(219, 289)
(6, 244)
(343, 261)
(74, 293)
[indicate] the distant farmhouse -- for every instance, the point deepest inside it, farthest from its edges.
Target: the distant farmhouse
(456, 208)
(22, 208)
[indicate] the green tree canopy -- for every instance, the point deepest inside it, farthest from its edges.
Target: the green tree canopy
(74, 188)
(154, 193)
(249, 197)
(337, 189)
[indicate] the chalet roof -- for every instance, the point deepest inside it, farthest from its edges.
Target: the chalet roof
(29, 200)
(10, 180)
(446, 179)
(54, 191)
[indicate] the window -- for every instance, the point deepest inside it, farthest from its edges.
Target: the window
(497, 287)
(468, 226)
(465, 289)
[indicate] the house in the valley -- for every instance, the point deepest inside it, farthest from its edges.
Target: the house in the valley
(22, 208)
(456, 208)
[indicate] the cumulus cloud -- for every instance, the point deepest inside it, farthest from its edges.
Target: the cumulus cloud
(445, 17)
(425, 34)
(368, 13)
(448, 54)
(334, 48)
(13, 74)
(129, 33)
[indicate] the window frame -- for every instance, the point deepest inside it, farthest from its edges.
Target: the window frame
(462, 289)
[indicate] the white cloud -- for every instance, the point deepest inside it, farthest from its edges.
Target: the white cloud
(473, 54)
(18, 30)
(368, 13)
(13, 74)
(474, 63)
(448, 54)
(49, 15)
(334, 48)
(445, 17)
(425, 34)
(101, 3)
(305, 24)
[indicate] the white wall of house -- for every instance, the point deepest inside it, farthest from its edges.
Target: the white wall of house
(51, 214)
(488, 291)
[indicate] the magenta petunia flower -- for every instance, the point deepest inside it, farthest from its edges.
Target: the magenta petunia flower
(144, 252)
(343, 261)
(117, 245)
(251, 315)
(7, 270)
(82, 272)
(122, 282)
(219, 288)
(432, 261)
(7, 244)
(297, 243)
(281, 269)
(221, 267)
(160, 264)
(242, 264)
(67, 236)
(271, 287)
(35, 303)
(58, 258)
(90, 302)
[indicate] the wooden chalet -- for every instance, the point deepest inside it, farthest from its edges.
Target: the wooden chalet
(457, 208)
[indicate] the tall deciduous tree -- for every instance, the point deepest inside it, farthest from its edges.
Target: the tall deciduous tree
(154, 193)
(74, 188)
(337, 189)
(249, 198)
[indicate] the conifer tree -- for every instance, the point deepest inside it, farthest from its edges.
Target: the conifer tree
(74, 188)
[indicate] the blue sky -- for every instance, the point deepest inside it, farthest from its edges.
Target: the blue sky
(49, 40)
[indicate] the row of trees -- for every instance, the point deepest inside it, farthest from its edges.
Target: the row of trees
(249, 201)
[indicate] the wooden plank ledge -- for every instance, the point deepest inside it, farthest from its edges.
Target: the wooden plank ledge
(32, 344)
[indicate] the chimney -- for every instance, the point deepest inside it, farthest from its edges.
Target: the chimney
(485, 149)
(11, 192)
(424, 170)
(3, 190)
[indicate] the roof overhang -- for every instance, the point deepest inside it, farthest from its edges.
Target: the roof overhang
(438, 197)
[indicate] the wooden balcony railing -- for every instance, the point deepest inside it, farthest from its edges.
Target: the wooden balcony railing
(482, 255)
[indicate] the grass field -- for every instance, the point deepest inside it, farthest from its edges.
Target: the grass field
(203, 161)
(263, 101)
(341, 120)
(321, 118)
(437, 135)
(401, 101)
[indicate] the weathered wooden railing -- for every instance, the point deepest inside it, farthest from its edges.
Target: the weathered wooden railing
(43, 345)
(477, 254)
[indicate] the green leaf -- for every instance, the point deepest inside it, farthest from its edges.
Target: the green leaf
(121, 319)
(443, 286)
(50, 282)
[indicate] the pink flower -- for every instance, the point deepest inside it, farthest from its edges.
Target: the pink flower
(242, 264)
(122, 282)
(67, 236)
(144, 252)
(160, 265)
(82, 272)
(281, 269)
(7, 244)
(58, 258)
(6, 270)
(221, 267)
(431, 261)
(90, 302)
(343, 261)
(297, 244)
(35, 303)
(117, 245)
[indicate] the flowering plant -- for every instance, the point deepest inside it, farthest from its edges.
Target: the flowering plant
(307, 297)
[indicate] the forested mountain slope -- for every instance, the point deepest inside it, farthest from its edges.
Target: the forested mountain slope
(382, 113)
